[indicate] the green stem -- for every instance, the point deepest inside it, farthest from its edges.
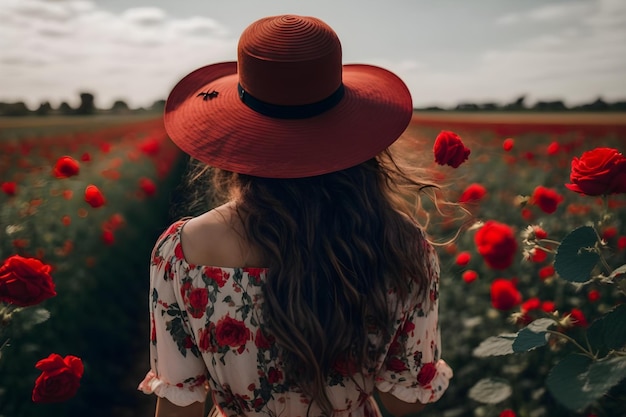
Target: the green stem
(605, 264)
(569, 339)
(547, 250)
(554, 242)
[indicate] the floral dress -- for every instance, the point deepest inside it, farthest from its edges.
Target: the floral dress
(207, 334)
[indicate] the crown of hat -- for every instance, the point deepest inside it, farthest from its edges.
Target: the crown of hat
(289, 60)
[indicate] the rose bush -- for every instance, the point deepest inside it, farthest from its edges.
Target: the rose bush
(493, 376)
(95, 254)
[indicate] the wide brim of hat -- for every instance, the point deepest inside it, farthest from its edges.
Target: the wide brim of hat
(225, 133)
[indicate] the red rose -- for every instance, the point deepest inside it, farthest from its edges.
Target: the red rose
(548, 306)
(473, 193)
(25, 281)
(508, 143)
(150, 146)
(449, 149)
(504, 295)
(426, 374)
(147, 186)
(59, 379)
(94, 196)
(554, 148)
(231, 332)
(9, 188)
(546, 272)
(496, 243)
(546, 198)
(463, 258)
(578, 318)
(531, 304)
(66, 166)
(198, 300)
(597, 172)
(469, 276)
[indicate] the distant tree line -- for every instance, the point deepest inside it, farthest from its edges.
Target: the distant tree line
(86, 107)
(540, 106)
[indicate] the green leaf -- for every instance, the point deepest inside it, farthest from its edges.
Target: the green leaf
(35, 317)
(615, 328)
(540, 325)
(495, 346)
(577, 381)
(576, 257)
(490, 391)
(528, 340)
(563, 381)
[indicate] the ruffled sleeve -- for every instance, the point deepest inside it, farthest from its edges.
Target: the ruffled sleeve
(177, 369)
(413, 369)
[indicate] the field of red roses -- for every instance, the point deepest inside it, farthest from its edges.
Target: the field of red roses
(80, 208)
(517, 298)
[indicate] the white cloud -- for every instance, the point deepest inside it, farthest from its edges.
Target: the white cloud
(52, 50)
(578, 60)
(548, 13)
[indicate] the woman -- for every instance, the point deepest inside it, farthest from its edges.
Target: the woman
(312, 288)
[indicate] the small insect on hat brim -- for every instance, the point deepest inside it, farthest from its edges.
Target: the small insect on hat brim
(288, 108)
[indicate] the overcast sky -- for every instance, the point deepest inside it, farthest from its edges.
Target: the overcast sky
(447, 51)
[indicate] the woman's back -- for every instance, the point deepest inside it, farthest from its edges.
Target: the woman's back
(211, 331)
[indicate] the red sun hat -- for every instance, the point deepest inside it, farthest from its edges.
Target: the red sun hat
(288, 108)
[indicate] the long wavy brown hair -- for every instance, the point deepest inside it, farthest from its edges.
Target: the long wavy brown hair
(335, 245)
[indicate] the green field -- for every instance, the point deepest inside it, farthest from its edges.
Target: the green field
(100, 255)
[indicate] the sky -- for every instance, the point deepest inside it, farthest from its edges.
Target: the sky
(447, 51)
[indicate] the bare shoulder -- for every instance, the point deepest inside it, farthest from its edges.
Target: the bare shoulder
(216, 238)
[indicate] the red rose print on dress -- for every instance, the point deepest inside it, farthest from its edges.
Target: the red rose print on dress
(496, 243)
(217, 274)
(274, 375)
(198, 300)
(396, 365)
(261, 341)
(59, 379)
(25, 281)
(205, 338)
(449, 149)
(600, 171)
(232, 332)
(426, 374)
